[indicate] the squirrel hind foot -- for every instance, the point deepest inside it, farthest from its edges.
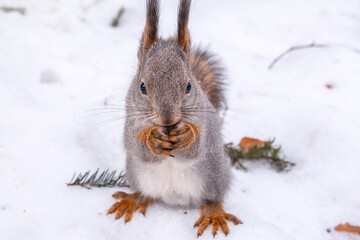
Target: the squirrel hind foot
(215, 215)
(128, 204)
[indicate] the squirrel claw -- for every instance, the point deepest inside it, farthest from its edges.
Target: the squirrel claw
(159, 143)
(183, 137)
(128, 204)
(215, 215)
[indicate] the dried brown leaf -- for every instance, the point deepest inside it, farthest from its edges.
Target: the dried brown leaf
(348, 228)
(247, 143)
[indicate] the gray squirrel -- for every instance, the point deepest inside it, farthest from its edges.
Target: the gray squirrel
(174, 147)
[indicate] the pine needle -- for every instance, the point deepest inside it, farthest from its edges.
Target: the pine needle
(105, 179)
(266, 152)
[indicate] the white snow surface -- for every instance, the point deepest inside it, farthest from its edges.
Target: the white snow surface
(61, 61)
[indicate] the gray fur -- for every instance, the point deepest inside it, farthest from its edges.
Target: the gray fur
(165, 69)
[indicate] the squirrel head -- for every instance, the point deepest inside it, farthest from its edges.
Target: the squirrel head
(164, 82)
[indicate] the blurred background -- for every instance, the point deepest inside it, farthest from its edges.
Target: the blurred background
(292, 74)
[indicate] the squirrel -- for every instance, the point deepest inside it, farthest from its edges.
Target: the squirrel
(172, 137)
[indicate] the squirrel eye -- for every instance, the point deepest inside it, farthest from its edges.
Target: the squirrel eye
(143, 88)
(188, 87)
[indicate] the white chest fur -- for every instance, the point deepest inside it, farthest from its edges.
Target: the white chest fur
(172, 181)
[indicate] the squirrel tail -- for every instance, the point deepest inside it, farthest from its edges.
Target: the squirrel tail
(210, 74)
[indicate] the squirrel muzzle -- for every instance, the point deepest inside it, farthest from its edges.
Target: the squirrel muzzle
(167, 117)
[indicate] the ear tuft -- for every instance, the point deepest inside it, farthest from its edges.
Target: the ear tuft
(151, 28)
(183, 36)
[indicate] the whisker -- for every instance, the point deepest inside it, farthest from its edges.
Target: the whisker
(109, 121)
(104, 123)
(99, 109)
(198, 111)
(100, 113)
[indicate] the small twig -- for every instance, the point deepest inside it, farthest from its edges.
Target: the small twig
(20, 10)
(116, 20)
(307, 46)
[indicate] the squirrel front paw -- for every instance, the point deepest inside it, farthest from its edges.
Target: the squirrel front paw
(162, 141)
(156, 140)
(183, 136)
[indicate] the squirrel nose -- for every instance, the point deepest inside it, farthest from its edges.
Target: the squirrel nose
(168, 121)
(168, 118)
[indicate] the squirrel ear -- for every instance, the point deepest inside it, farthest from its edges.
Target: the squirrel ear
(183, 36)
(150, 34)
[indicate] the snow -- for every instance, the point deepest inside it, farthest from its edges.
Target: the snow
(62, 61)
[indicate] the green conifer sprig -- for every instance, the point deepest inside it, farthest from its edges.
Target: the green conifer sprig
(267, 152)
(105, 179)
